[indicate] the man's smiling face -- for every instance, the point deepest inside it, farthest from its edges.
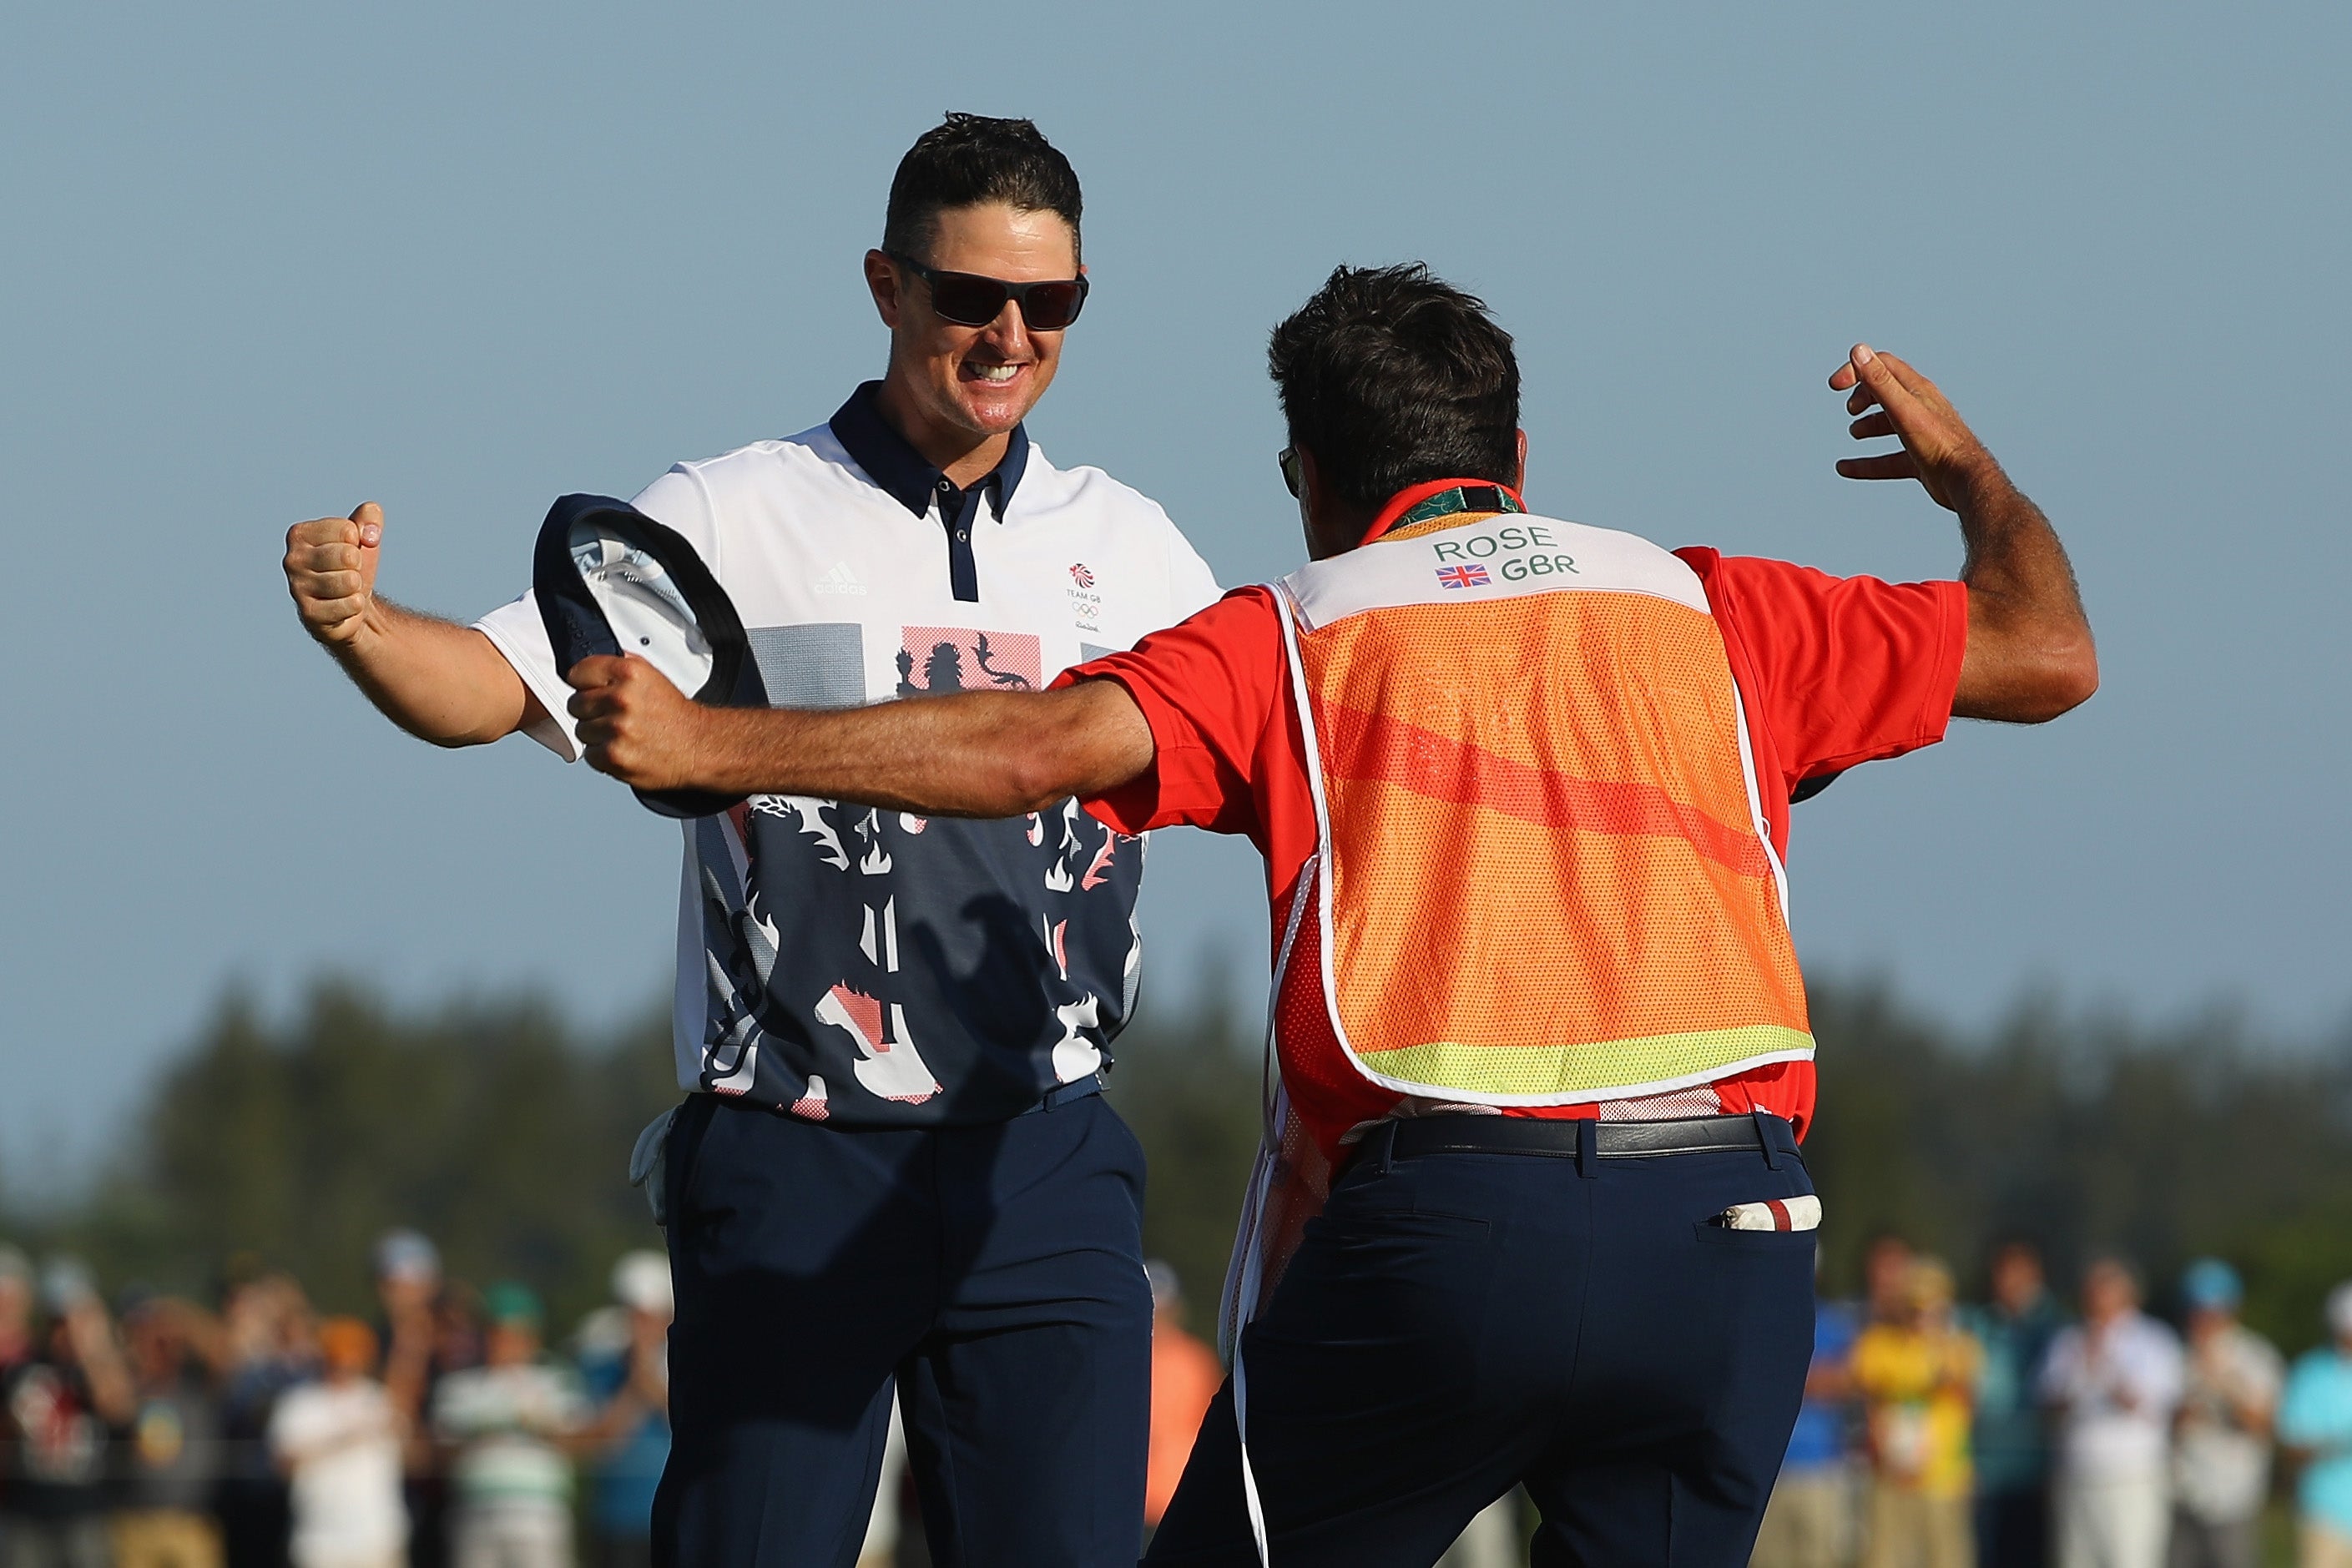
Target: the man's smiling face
(957, 385)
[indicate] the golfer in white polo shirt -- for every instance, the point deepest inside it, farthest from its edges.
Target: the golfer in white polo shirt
(895, 1168)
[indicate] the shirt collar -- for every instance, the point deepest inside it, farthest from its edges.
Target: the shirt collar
(1437, 498)
(904, 472)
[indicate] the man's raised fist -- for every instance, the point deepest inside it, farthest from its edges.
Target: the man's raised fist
(331, 571)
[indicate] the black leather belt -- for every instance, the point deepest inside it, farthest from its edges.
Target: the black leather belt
(1403, 1137)
(1063, 1094)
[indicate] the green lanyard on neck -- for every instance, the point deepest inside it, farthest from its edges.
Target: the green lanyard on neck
(1461, 499)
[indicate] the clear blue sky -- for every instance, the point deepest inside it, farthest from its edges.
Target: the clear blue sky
(262, 263)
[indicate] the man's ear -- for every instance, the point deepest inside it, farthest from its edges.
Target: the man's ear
(882, 282)
(1519, 480)
(1310, 479)
(1333, 527)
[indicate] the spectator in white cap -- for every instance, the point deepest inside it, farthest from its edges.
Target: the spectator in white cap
(2221, 1443)
(2316, 1425)
(626, 1371)
(2114, 1381)
(408, 1288)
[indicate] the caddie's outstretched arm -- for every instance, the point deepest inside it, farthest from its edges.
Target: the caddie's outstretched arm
(440, 680)
(977, 754)
(2030, 655)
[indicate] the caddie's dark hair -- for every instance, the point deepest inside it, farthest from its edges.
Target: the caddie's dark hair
(967, 158)
(1393, 377)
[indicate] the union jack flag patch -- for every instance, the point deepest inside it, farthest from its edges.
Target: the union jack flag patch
(1462, 576)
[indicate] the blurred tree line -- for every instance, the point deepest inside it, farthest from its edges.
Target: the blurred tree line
(504, 1135)
(293, 1145)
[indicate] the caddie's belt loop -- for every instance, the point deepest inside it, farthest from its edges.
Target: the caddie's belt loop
(1769, 1136)
(1588, 1147)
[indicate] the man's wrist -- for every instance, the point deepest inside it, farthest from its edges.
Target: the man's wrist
(703, 749)
(1977, 482)
(368, 628)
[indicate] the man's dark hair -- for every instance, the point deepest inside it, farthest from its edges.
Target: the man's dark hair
(967, 158)
(1393, 377)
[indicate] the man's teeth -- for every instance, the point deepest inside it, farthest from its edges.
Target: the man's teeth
(997, 373)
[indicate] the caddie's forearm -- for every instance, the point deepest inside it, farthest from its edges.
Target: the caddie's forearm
(2030, 655)
(2013, 550)
(980, 754)
(440, 680)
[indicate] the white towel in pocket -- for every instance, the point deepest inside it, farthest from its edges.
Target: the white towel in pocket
(1773, 1214)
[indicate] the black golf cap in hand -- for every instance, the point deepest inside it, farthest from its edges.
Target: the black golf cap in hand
(610, 580)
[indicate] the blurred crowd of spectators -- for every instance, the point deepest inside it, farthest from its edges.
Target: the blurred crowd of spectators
(2014, 1434)
(439, 1432)
(444, 1432)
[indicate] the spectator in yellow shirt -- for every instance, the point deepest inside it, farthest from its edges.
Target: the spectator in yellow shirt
(1917, 1377)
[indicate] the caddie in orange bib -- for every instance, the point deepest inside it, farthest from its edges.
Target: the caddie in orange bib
(1544, 764)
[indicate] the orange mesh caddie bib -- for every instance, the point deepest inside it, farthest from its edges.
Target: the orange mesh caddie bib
(1543, 873)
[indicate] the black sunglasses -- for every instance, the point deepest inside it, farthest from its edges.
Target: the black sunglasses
(968, 299)
(1288, 459)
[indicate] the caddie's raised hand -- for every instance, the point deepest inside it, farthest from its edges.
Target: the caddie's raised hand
(634, 725)
(331, 571)
(1890, 398)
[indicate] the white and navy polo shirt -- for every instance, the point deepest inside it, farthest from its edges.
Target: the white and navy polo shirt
(873, 967)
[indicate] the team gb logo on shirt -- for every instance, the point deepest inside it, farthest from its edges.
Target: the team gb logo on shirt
(1085, 604)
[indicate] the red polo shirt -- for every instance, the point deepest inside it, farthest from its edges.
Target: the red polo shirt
(1833, 672)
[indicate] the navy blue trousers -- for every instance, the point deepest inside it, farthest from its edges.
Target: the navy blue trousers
(1456, 1324)
(994, 1274)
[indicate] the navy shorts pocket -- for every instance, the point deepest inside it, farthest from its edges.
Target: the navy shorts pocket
(1380, 1287)
(1756, 1240)
(697, 1122)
